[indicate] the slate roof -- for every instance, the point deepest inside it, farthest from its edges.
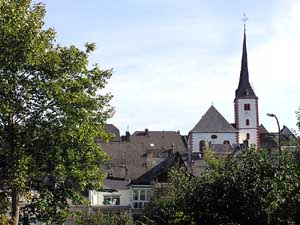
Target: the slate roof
(262, 129)
(130, 159)
(213, 122)
(115, 184)
(287, 132)
(163, 140)
(158, 153)
(158, 170)
(244, 89)
(126, 159)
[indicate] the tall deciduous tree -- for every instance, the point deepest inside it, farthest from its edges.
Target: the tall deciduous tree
(50, 112)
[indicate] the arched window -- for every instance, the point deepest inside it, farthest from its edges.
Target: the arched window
(226, 142)
(248, 136)
(247, 122)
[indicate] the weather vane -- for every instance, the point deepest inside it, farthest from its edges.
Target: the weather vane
(244, 19)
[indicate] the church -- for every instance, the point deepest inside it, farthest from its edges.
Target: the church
(213, 129)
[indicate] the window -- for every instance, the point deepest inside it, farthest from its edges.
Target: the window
(111, 200)
(143, 195)
(248, 136)
(135, 195)
(247, 122)
(140, 198)
(226, 142)
(247, 107)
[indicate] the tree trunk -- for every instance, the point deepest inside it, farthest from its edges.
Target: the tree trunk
(15, 207)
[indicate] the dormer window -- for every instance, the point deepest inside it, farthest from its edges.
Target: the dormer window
(247, 107)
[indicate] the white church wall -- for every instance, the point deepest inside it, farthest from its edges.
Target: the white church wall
(221, 137)
(253, 136)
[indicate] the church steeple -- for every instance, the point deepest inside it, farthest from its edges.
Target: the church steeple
(246, 105)
(244, 89)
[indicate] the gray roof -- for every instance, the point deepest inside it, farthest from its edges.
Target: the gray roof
(127, 159)
(213, 122)
(133, 158)
(262, 130)
(287, 132)
(116, 184)
(163, 140)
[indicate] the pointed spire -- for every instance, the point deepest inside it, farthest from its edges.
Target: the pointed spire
(244, 89)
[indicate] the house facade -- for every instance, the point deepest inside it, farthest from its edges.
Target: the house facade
(116, 192)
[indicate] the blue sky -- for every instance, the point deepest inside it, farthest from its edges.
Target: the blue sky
(171, 58)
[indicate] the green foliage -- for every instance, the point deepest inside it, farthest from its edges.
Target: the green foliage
(104, 219)
(168, 207)
(4, 220)
(214, 162)
(50, 113)
(252, 187)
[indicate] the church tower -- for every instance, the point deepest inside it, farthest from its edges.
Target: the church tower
(246, 105)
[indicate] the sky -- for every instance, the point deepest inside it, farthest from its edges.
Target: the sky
(172, 59)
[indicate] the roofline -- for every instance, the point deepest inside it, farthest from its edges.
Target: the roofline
(245, 97)
(140, 185)
(201, 132)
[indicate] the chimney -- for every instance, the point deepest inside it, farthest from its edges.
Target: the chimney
(146, 132)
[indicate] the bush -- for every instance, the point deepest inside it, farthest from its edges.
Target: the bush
(251, 187)
(104, 219)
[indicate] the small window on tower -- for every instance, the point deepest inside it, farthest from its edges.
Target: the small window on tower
(246, 107)
(247, 122)
(248, 136)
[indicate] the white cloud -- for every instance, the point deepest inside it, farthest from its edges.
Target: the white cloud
(275, 69)
(173, 89)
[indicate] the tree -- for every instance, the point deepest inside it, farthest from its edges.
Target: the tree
(251, 187)
(50, 113)
(100, 218)
(169, 205)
